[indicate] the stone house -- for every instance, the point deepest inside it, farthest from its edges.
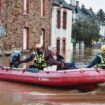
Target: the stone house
(27, 22)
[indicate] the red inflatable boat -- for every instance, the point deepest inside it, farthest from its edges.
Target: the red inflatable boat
(75, 77)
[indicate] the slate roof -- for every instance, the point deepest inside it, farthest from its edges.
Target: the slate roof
(83, 12)
(90, 13)
(77, 10)
(72, 6)
(64, 4)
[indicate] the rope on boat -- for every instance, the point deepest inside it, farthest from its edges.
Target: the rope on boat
(9, 68)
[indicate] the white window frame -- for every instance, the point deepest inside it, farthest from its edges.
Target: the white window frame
(25, 36)
(42, 7)
(25, 8)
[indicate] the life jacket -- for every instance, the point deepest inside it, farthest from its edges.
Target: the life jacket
(39, 60)
(102, 63)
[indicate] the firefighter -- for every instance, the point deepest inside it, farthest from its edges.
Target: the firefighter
(99, 60)
(37, 57)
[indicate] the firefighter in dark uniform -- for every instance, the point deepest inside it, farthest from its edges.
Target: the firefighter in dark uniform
(99, 60)
(37, 57)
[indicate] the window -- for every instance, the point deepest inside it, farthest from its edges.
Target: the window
(26, 38)
(26, 6)
(64, 19)
(58, 18)
(43, 7)
(42, 38)
(58, 45)
(64, 45)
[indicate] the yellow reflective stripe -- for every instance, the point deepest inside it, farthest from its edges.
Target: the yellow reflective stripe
(40, 60)
(102, 61)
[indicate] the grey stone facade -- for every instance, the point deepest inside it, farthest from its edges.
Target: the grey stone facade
(14, 20)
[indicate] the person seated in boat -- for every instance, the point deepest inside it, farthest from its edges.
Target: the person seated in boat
(99, 60)
(51, 58)
(14, 58)
(37, 57)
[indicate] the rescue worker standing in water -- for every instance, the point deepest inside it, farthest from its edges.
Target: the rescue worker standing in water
(37, 57)
(99, 60)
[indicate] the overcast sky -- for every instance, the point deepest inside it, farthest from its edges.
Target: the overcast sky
(95, 4)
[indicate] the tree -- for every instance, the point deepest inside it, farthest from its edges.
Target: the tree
(101, 15)
(86, 30)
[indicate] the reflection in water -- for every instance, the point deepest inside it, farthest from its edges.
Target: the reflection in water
(81, 57)
(84, 57)
(22, 94)
(68, 56)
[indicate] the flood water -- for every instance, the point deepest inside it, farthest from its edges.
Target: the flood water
(12, 93)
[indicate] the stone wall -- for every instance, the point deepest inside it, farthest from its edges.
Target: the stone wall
(14, 21)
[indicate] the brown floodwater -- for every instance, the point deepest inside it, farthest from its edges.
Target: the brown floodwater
(12, 93)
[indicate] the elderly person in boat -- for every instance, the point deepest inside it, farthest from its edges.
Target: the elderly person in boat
(37, 57)
(51, 58)
(99, 60)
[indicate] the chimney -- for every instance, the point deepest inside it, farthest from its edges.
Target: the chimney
(77, 3)
(90, 9)
(83, 6)
(61, 4)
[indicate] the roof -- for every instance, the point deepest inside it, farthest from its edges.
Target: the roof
(61, 2)
(72, 6)
(90, 13)
(77, 10)
(83, 12)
